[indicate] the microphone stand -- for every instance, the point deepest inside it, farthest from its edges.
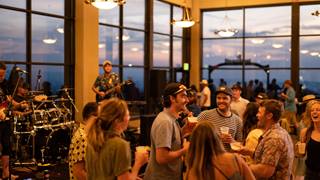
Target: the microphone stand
(10, 109)
(71, 100)
(38, 81)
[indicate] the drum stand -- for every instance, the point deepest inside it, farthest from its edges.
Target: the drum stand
(17, 134)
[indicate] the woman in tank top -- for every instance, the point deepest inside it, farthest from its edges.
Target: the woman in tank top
(311, 136)
(207, 159)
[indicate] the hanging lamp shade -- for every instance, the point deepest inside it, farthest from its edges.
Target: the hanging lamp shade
(186, 20)
(105, 4)
(226, 30)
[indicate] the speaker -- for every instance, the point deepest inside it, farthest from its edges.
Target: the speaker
(158, 81)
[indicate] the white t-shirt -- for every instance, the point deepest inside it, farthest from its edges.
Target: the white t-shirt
(206, 91)
(239, 106)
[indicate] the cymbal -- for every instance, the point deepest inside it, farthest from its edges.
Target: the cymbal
(53, 96)
(36, 92)
(61, 100)
(65, 89)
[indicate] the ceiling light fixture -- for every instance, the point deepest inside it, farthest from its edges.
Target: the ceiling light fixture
(186, 20)
(257, 41)
(60, 30)
(227, 30)
(277, 46)
(124, 37)
(49, 40)
(304, 51)
(314, 53)
(105, 4)
(134, 49)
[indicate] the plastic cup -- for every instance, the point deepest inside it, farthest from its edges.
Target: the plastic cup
(236, 146)
(142, 148)
(301, 148)
(224, 130)
(193, 120)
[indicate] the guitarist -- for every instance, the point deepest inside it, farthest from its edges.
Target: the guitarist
(4, 125)
(107, 81)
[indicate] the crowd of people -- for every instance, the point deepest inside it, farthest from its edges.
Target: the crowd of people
(195, 137)
(255, 145)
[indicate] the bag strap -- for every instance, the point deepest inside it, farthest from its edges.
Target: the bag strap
(237, 163)
(224, 175)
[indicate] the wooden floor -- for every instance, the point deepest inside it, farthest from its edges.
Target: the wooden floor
(57, 172)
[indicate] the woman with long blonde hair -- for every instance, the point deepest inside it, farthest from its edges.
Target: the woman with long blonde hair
(108, 155)
(207, 158)
(311, 136)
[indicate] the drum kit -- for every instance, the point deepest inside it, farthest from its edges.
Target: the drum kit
(44, 133)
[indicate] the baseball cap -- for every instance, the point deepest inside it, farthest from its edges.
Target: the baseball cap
(224, 89)
(262, 96)
(174, 88)
(308, 97)
(236, 86)
(204, 81)
(106, 62)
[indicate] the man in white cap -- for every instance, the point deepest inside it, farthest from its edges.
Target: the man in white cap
(106, 84)
(205, 99)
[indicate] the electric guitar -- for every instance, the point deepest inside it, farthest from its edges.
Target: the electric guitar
(4, 110)
(111, 92)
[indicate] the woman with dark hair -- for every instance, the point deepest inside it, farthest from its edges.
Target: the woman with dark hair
(108, 155)
(250, 118)
(311, 136)
(207, 158)
(251, 132)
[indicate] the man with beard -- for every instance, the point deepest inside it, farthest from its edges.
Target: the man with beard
(223, 117)
(167, 145)
(274, 155)
(106, 85)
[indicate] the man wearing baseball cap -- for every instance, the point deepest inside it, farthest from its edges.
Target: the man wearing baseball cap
(238, 104)
(106, 84)
(166, 135)
(223, 117)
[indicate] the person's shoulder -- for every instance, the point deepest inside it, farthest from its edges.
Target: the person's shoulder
(255, 133)
(245, 100)
(236, 117)
(163, 118)
(205, 113)
(117, 142)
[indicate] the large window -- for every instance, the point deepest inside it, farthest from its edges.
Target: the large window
(167, 39)
(264, 38)
(34, 39)
(309, 49)
(129, 54)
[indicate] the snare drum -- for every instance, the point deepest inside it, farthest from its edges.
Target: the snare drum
(40, 98)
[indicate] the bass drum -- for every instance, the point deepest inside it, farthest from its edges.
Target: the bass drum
(52, 146)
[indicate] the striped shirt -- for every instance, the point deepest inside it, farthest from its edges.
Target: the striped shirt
(218, 120)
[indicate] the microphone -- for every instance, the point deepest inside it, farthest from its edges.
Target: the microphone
(21, 70)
